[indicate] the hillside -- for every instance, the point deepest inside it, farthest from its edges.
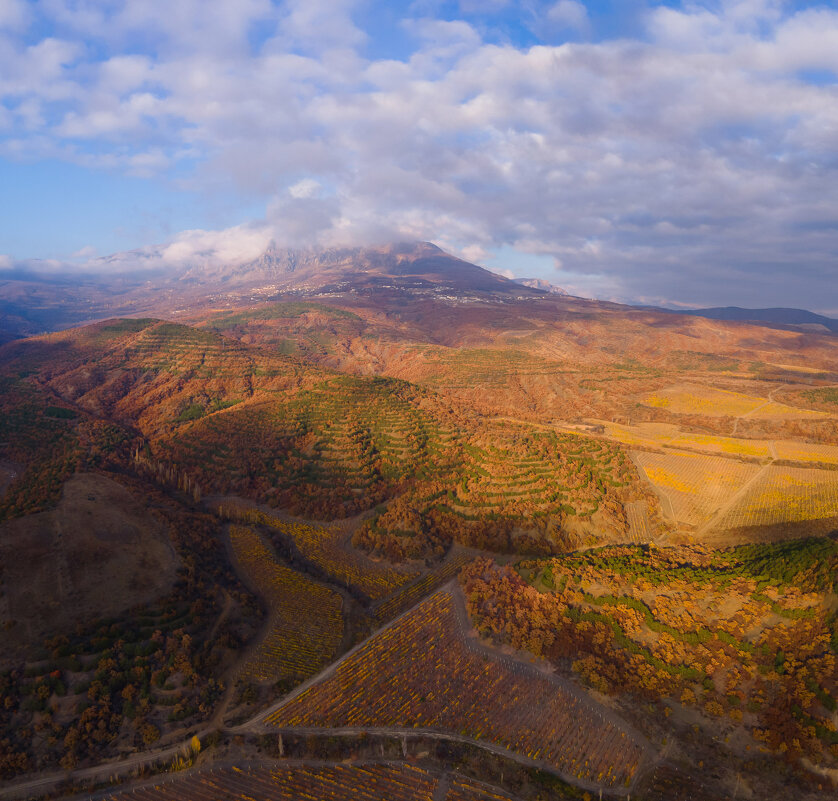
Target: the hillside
(183, 492)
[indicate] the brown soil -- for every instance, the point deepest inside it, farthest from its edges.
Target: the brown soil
(99, 552)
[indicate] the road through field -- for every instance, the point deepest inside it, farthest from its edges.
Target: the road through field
(733, 500)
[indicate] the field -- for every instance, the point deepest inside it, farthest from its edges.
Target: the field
(714, 402)
(295, 783)
(659, 435)
(323, 546)
(786, 495)
(306, 622)
(695, 487)
(791, 451)
(731, 446)
(420, 673)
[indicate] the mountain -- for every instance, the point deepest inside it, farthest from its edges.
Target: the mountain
(793, 318)
(540, 283)
(37, 299)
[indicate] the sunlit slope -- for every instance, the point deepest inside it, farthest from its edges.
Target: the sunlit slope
(231, 418)
(152, 374)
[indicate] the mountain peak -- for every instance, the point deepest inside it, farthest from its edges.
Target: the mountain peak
(540, 283)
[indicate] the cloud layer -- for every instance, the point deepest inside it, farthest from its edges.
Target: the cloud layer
(697, 163)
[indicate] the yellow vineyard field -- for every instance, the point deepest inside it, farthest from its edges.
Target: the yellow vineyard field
(694, 486)
(658, 435)
(805, 452)
(715, 402)
(306, 618)
(704, 400)
(731, 446)
(786, 495)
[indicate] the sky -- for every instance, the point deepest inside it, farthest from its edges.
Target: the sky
(674, 153)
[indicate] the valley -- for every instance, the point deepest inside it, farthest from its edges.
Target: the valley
(398, 524)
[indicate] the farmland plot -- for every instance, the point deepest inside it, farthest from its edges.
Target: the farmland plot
(806, 452)
(306, 621)
(371, 782)
(786, 495)
(323, 546)
(421, 673)
(695, 486)
(693, 399)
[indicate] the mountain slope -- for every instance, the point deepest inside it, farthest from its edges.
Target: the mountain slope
(800, 318)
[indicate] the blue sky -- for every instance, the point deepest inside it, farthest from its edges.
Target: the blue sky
(678, 152)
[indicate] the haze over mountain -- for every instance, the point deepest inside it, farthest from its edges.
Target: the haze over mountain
(134, 282)
(541, 283)
(799, 318)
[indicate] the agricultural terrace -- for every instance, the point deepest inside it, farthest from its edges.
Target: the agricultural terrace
(713, 402)
(694, 487)
(326, 452)
(306, 621)
(421, 673)
(746, 636)
(279, 782)
(456, 369)
(518, 489)
(323, 546)
(786, 495)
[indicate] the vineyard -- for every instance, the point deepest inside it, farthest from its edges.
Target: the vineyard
(306, 622)
(323, 547)
(695, 486)
(656, 436)
(704, 400)
(279, 782)
(420, 673)
(463, 789)
(410, 594)
(714, 402)
(791, 451)
(731, 446)
(786, 495)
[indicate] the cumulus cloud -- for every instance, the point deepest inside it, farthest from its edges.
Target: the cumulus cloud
(569, 14)
(697, 164)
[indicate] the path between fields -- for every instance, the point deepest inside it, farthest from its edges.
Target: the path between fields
(259, 723)
(732, 501)
(753, 411)
(123, 768)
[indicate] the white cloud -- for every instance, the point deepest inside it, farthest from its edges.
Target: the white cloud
(305, 188)
(569, 14)
(14, 15)
(690, 163)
